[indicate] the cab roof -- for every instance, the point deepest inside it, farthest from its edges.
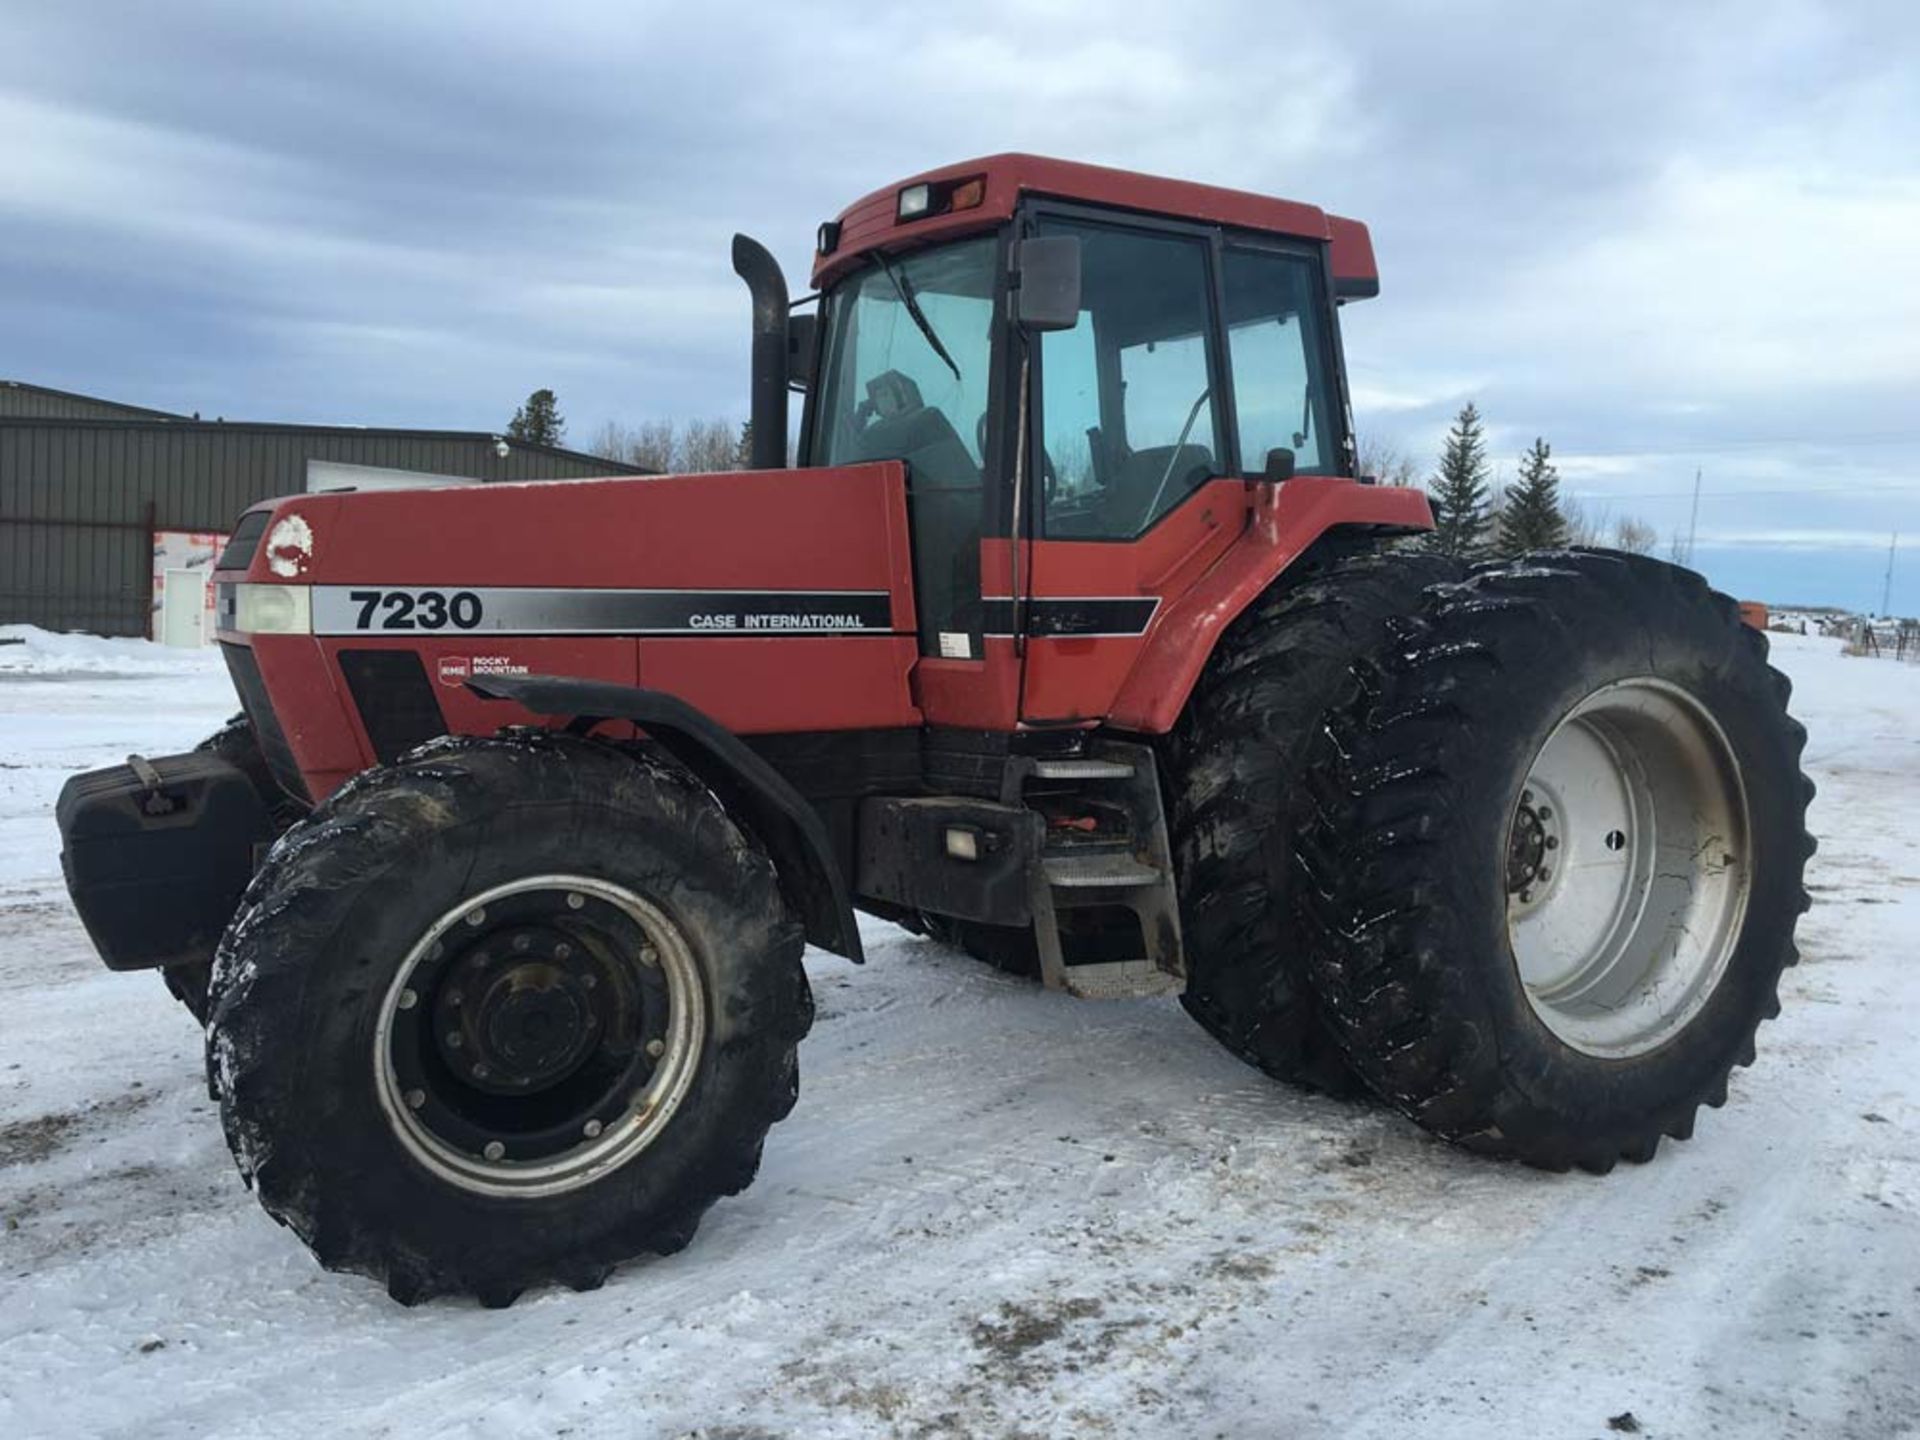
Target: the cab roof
(873, 221)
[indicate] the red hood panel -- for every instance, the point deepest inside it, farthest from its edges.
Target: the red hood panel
(841, 529)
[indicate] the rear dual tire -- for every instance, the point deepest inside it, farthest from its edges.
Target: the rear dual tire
(1235, 770)
(1572, 1017)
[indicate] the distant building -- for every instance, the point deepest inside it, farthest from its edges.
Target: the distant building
(101, 502)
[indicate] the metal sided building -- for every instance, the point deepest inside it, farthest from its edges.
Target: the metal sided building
(100, 503)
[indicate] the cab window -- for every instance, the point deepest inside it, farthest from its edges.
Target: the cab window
(1128, 425)
(1278, 352)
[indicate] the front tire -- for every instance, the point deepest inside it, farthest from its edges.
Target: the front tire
(507, 1012)
(1557, 855)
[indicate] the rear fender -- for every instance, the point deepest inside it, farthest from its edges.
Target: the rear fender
(752, 791)
(1283, 523)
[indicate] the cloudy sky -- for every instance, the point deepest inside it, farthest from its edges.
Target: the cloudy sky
(1663, 236)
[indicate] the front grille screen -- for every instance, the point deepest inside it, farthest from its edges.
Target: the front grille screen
(252, 690)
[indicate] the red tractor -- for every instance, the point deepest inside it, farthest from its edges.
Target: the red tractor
(1073, 638)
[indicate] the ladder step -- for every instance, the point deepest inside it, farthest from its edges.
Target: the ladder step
(1120, 980)
(1081, 770)
(1111, 870)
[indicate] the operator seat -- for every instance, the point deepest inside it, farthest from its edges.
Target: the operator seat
(1136, 479)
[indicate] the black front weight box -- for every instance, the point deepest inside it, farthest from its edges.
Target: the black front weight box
(156, 855)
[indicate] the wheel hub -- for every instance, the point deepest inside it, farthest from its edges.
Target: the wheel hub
(522, 1008)
(1626, 868)
(538, 1034)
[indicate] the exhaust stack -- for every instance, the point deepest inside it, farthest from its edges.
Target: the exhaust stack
(755, 264)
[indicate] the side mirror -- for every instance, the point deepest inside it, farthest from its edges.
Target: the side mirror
(1279, 466)
(802, 335)
(1049, 293)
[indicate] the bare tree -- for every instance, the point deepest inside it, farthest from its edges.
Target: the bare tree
(707, 445)
(1677, 549)
(1387, 463)
(1634, 535)
(656, 446)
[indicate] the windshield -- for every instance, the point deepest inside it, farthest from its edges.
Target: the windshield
(886, 392)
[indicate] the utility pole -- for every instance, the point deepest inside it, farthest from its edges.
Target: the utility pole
(1886, 590)
(1693, 521)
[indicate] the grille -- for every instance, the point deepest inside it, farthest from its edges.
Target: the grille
(252, 690)
(395, 699)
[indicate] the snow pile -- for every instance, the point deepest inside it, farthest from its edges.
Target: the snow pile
(29, 650)
(999, 1211)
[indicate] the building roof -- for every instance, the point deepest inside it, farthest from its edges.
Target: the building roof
(181, 425)
(22, 400)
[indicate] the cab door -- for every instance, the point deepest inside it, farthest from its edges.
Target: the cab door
(1138, 489)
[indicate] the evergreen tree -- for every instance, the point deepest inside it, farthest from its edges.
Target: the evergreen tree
(743, 452)
(1458, 492)
(1531, 518)
(538, 421)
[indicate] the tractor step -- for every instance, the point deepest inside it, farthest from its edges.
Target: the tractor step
(1077, 890)
(1101, 871)
(1120, 980)
(1082, 770)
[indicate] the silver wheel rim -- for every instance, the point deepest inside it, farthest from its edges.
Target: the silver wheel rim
(1628, 867)
(611, 1143)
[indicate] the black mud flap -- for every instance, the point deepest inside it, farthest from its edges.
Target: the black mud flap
(156, 854)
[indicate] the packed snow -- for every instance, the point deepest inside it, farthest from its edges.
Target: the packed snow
(996, 1210)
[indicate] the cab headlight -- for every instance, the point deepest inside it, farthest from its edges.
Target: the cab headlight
(273, 609)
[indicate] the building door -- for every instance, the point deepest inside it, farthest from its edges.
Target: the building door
(183, 606)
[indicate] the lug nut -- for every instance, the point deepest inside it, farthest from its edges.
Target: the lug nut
(454, 1042)
(589, 980)
(1553, 842)
(477, 916)
(416, 1098)
(1526, 896)
(649, 956)
(575, 900)
(1546, 812)
(480, 1072)
(456, 999)
(656, 1048)
(1526, 797)
(1545, 873)
(408, 999)
(494, 1150)
(562, 951)
(521, 942)
(591, 1128)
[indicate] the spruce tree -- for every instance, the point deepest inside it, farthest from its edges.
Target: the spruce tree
(1531, 518)
(538, 421)
(1458, 492)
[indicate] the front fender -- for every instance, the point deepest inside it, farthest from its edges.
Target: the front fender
(753, 792)
(1284, 522)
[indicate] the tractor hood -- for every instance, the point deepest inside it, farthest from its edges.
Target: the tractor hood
(594, 548)
(769, 600)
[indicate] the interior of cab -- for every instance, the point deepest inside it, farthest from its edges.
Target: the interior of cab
(1127, 399)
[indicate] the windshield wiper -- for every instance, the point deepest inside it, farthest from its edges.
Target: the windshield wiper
(904, 290)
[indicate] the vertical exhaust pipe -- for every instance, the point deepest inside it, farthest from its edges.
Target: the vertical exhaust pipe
(755, 264)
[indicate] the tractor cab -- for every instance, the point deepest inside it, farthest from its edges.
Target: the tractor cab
(1088, 375)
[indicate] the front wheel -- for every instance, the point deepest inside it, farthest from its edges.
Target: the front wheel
(509, 1011)
(1556, 859)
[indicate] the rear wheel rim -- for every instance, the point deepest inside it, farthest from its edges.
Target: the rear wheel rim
(539, 1036)
(1628, 868)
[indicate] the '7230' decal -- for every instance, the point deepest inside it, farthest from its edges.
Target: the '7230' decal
(416, 609)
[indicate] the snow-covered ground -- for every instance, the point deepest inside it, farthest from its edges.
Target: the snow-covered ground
(999, 1211)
